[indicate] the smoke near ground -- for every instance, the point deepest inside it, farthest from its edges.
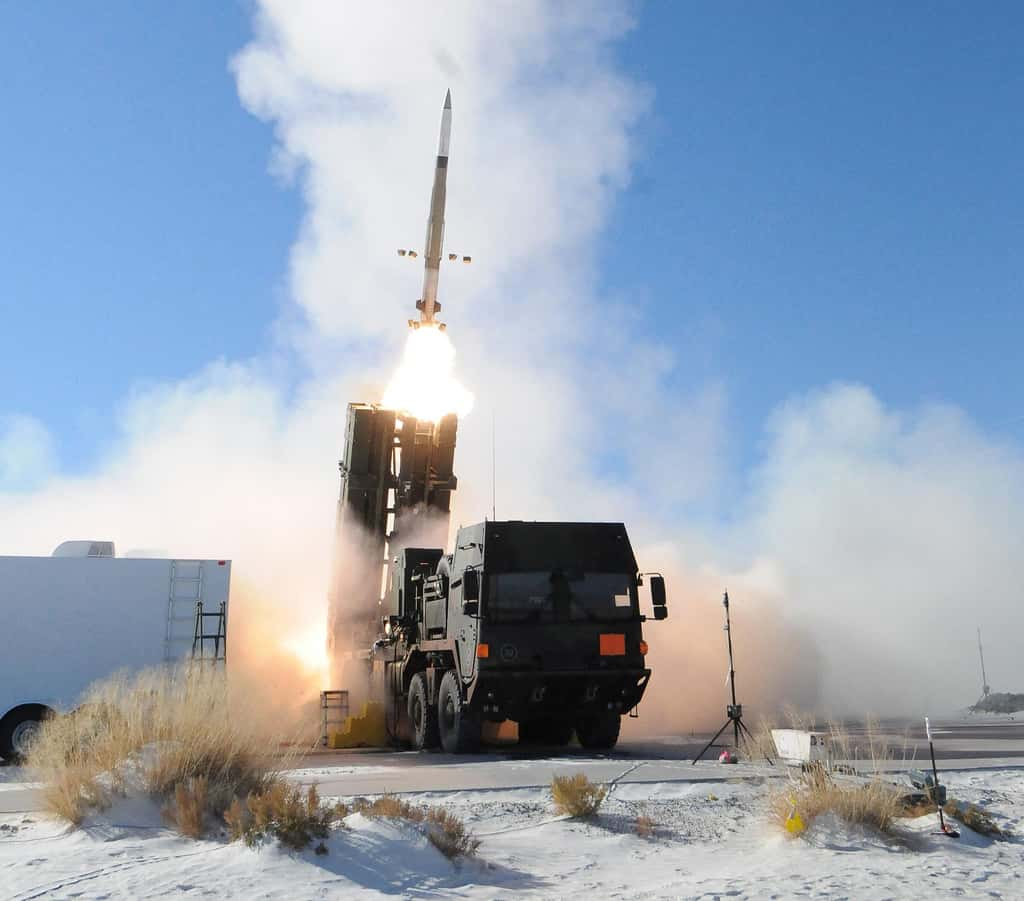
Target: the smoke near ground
(861, 553)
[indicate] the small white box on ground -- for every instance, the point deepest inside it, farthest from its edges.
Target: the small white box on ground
(797, 746)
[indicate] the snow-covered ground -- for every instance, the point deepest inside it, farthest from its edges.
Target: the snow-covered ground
(712, 839)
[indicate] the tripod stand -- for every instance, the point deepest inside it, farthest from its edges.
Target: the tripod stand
(733, 711)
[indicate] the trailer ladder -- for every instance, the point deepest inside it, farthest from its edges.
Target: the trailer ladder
(210, 643)
(186, 590)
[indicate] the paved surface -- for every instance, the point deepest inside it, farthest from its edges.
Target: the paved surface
(961, 745)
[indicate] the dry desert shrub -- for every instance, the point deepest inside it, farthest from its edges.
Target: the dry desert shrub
(389, 807)
(449, 835)
(974, 818)
(873, 803)
(153, 732)
(283, 812)
(188, 812)
(644, 826)
(444, 830)
(822, 788)
(577, 795)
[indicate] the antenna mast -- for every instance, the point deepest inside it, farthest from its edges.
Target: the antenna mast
(984, 679)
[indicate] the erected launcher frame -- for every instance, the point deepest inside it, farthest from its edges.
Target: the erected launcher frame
(396, 473)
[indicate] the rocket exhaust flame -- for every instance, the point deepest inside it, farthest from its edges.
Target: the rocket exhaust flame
(425, 384)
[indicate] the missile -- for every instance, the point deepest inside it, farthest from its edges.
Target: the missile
(428, 305)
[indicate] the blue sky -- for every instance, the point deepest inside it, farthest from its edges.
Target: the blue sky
(822, 192)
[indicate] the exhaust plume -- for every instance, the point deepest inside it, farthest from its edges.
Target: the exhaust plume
(425, 384)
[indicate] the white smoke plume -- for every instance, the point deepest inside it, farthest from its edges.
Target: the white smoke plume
(868, 546)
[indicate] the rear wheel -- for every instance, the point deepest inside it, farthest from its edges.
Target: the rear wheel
(459, 726)
(599, 732)
(422, 715)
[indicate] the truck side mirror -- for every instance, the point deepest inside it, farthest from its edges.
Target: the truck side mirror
(471, 585)
(658, 597)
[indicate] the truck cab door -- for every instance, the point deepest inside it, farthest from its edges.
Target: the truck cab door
(466, 631)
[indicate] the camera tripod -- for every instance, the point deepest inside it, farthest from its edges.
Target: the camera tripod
(733, 711)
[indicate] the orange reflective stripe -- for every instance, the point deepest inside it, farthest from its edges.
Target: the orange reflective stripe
(483, 650)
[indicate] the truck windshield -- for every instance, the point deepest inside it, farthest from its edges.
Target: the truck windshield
(559, 596)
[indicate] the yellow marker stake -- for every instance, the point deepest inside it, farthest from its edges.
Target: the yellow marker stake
(794, 822)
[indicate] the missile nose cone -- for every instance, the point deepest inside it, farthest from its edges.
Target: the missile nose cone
(446, 126)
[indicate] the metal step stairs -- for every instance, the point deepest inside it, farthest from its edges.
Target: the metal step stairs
(210, 646)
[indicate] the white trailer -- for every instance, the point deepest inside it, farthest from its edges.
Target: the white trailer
(84, 613)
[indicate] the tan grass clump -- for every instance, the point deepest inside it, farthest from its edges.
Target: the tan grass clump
(874, 803)
(449, 835)
(444, 830)
(389, 807)
(644, 826)
(152, 733)
(188, 814)
(823, 788)
(577, 795)
(283, 812)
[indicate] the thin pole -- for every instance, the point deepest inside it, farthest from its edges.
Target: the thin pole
(732, 669)
(494, 470)
(984, 678)
(946, 830)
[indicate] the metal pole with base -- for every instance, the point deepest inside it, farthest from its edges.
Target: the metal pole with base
(938, 792)
(733, 711)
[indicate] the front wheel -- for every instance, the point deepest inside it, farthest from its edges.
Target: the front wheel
(459, 726)
(422, 715)
(599, 732)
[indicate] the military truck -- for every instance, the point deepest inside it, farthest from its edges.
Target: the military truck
(534, 622)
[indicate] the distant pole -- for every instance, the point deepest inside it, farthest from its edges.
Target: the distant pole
(984, 679)
(494, 470)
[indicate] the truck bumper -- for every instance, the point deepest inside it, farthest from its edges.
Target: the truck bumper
(527, 694)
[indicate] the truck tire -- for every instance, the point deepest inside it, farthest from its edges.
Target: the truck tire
(546, 731)
(459, 726)
(599, 732)
(19, 727)
(422, 715)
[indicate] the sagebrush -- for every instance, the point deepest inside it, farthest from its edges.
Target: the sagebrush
(577, 795)
(285, 812)
(444, 830)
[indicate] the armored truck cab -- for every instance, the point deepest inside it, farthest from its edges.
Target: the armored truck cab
(534, 622)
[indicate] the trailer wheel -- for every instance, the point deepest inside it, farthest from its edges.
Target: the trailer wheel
(422, 715)
(459, 726)
(19, 728)
(599, 732)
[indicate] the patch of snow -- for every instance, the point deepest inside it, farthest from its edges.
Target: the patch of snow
(711, 839)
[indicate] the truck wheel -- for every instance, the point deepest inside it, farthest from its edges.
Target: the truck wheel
(599, 732)
(459, 726)
(422, 715)
(19, 729)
